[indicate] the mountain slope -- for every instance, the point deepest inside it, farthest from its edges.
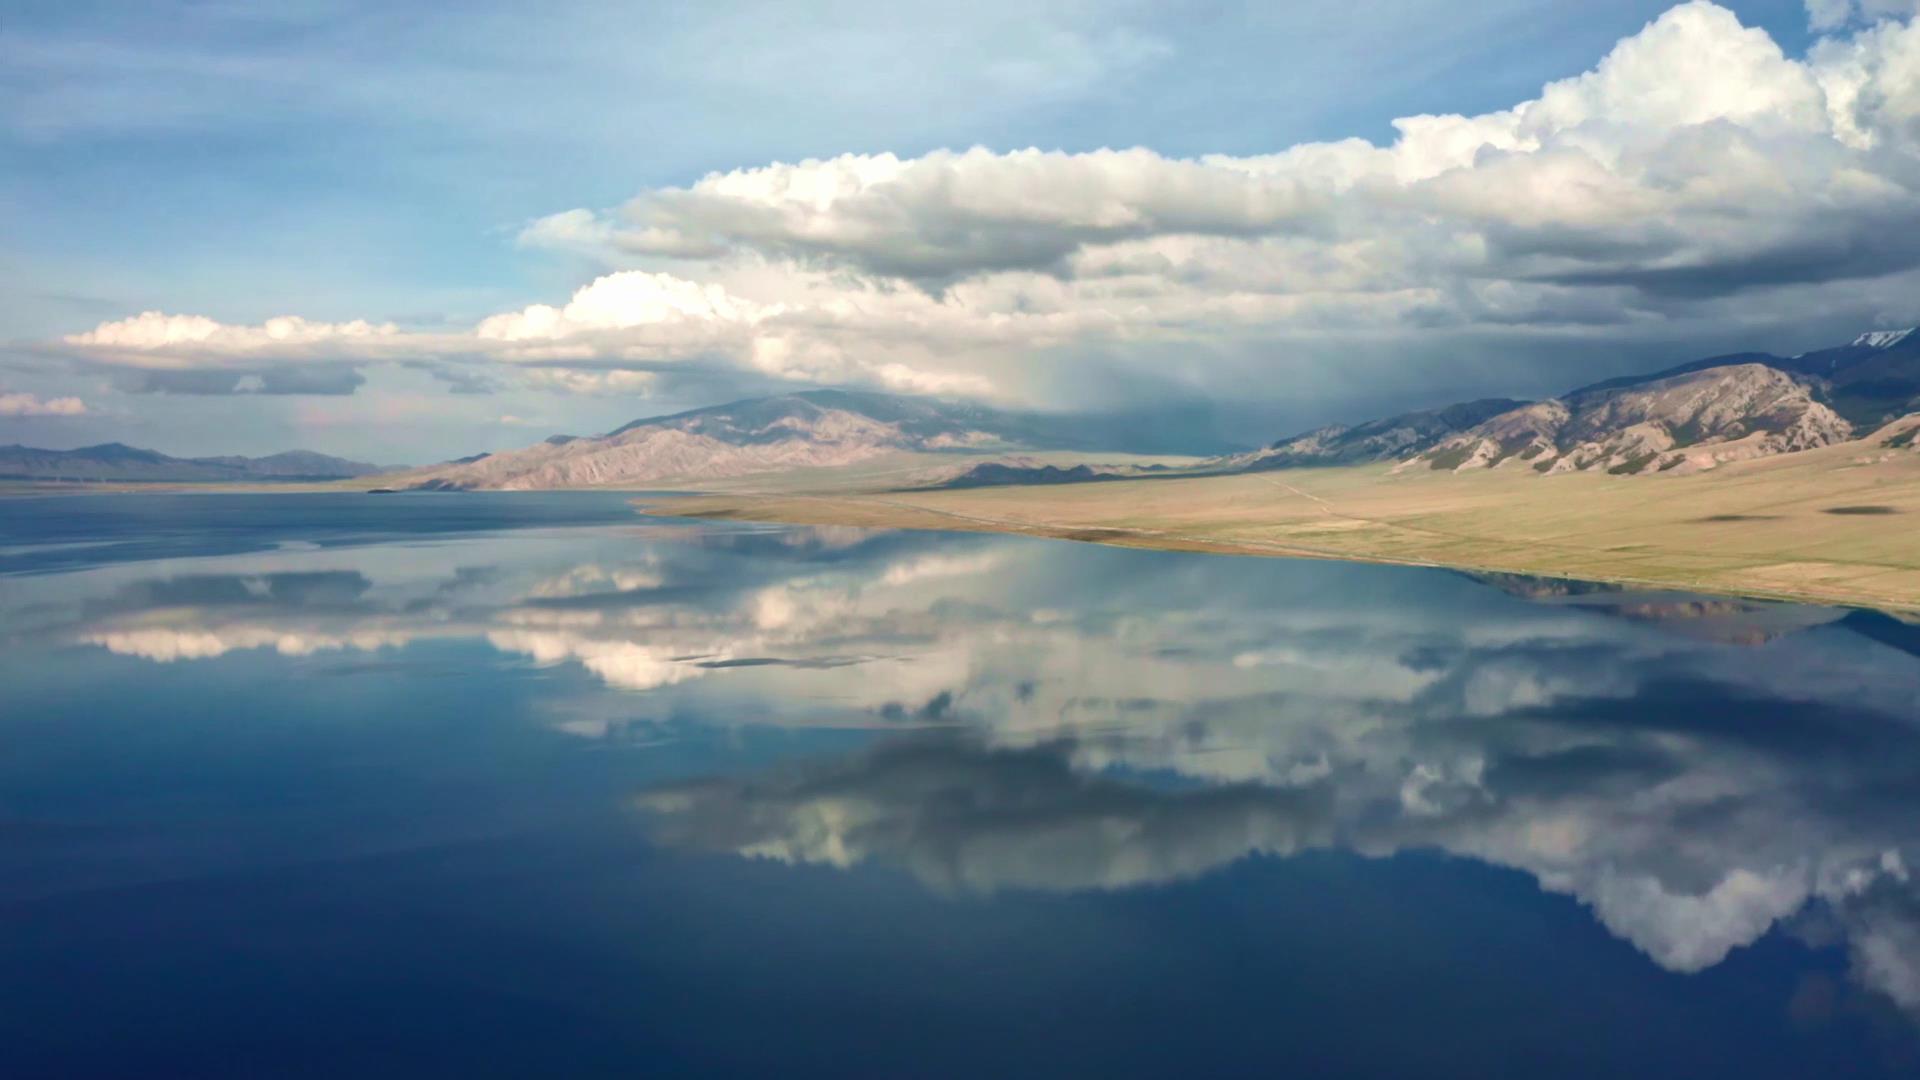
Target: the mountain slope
(1681, 419)
(1868, 381)
(1686, 422)
(1376, 440)
(810, 429)
(120, 462)
(1872, 380)
(928, 422)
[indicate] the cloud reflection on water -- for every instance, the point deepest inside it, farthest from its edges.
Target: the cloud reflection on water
(1695, 773)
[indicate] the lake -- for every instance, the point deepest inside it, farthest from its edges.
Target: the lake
(523, 785)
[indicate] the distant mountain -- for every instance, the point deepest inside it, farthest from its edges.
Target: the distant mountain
(809, 429)
(1021, 469)
(295, 465)
(997, 473)
(1690, 417)
(120, 462)
(1685, 418)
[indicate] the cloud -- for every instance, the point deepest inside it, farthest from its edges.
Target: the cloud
(1834, 14)
(616, 335)
(568, 230)
(1695, 168)
(628, 665)
(968, 818)
(306, 379)
(164, 645)
(1666, 157)
(29, 405)
(157, 340)
(1688, 850)
(1687, 877)
(626, 301)
(156, 352)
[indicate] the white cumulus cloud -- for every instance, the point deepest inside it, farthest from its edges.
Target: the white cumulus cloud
(30, 405)
(157, 339)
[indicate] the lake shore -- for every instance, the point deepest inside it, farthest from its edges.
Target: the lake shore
(1826, 526)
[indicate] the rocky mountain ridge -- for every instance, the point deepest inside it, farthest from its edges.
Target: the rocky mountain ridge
(1682, 419)
(1682, 423)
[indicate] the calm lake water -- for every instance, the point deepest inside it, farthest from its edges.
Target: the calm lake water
(529, 785)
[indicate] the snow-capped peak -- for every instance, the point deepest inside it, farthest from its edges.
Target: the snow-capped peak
(1883, 339)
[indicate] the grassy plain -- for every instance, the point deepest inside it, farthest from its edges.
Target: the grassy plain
(1833, 525)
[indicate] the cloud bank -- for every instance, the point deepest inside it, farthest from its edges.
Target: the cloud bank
(1695, 170)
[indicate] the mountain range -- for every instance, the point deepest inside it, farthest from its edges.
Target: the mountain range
(1685, 418)
(1682, 419)
(120, 462)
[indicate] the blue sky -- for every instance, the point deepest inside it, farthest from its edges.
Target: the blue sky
(370, 161)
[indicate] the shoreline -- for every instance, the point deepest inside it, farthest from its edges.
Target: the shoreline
(1809, 554)
(1810, 528)
(1159, 541)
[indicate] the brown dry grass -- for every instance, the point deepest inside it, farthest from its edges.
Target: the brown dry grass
(1755, 528)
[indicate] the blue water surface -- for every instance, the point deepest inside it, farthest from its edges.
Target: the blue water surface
(517, 785)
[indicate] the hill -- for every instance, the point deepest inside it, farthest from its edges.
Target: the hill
(806, 430)
(122, 463)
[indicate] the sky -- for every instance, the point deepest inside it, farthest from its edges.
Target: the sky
(403, 234)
